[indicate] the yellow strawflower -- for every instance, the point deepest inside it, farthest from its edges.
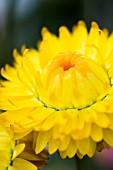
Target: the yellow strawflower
(29, 151)
(63, 91)
(9, 151)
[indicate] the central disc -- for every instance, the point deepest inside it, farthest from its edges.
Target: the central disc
(73, 81)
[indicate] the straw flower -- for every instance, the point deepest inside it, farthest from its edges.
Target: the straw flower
(63, 91)
(9, 152)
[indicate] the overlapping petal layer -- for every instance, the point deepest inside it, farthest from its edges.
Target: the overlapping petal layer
(63, 91)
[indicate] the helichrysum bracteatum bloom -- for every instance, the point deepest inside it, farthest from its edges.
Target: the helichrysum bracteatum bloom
(9, 151)
(63, 91)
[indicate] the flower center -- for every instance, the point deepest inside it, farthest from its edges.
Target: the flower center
(66, 66)
(73, 81)
(65, 61)
(70, 60)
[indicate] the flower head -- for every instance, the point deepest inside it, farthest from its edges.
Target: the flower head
(63, 91)
(9, 151)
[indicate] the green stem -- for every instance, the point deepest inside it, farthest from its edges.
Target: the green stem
(79, 164)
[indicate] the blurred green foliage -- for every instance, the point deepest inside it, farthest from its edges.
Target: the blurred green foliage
(57, 163)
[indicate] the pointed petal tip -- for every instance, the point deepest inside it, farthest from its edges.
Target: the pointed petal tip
(44, 30)
(81, 22)
(94, 25)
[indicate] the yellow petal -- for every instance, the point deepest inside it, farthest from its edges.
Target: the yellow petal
(65, 38)
(22, 164)
(96, 133)
(11, 168)
(42, 141)
(24, 101)
(72, 148)
(83, 146)
(53, 145)
(64, 143)
(80, 41)
(103, 120)
(19, 135)
(108, 136)
(4, 158)
(2, 167)
(92, 148)
(81, 134)
(30, 155)
(70, 151)
(48, 123)
(17, 150)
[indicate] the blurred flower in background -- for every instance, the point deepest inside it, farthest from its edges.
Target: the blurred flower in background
(9, 151)
(105, 158)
